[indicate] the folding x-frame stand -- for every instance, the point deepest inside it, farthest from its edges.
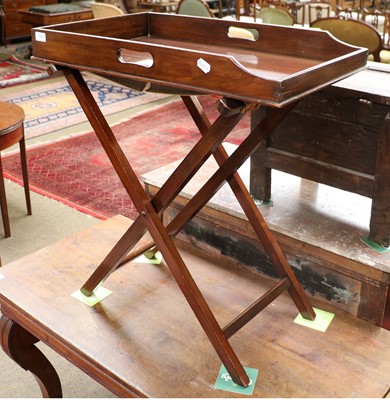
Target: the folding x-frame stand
(150, 210)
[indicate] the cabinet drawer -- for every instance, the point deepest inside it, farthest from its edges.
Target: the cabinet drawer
(13, 5)
(10, 6)
(79, 17)
(13, 18)
(15, 30)
(13, 27)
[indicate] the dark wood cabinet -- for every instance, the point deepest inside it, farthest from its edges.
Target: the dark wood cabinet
(339, 136)
(11, 25)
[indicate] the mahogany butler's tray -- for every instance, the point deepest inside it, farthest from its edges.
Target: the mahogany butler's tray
(279, 65)
(248, 65)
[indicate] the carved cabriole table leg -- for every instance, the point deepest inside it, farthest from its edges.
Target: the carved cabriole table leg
(19, 345)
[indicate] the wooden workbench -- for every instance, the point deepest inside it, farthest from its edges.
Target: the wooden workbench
(143, 340)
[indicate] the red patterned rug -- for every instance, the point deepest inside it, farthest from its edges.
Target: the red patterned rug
(77, 172)
(15, 72)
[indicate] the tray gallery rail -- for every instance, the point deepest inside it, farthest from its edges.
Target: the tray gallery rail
(248, 66)
(252, 62)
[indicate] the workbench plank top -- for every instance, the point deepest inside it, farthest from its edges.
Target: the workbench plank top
(144, 340)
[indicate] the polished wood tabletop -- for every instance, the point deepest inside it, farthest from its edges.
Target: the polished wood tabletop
(143, 340)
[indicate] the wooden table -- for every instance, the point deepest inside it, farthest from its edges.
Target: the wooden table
(42, 19)
(165, 51)
(12, 132)
(338, 137)
(127, 342)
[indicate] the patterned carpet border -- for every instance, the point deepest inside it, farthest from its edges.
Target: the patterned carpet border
(52, 106)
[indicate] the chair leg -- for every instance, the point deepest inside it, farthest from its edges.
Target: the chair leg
(23, 159)
(3, 204)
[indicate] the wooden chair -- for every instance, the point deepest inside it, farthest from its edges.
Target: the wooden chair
(298, 12)
(197, 8)
(385, 5)
(276, 16)
(273, 3)
(318, 10)
(201, 9)
(346, 13)
(347, 9)
(347, 4)
(253, 7)
(355, 32)
(105, 10)
(386, 31)
(374, 17)
(12, 132)
(385, 54)
(129, 6)
(380, 19)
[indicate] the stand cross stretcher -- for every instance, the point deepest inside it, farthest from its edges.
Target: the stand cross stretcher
(156, 41)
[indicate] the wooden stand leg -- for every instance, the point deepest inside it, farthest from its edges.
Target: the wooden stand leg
(115, 257)
(250, 144)
(195, 299)
(186, 170)
(19, 345)
(150, 212)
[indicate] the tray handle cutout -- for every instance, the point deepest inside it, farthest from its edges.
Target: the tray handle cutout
(235, 32)
(141, 58)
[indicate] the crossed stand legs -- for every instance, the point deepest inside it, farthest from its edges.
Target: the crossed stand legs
(150, 211)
